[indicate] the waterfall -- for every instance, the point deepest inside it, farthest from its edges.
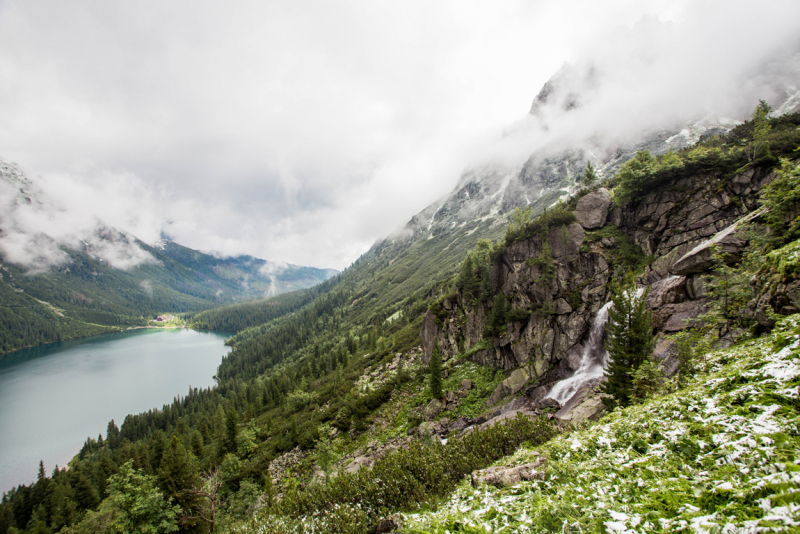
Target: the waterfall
(593, 360)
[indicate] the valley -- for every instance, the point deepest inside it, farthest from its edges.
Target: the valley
(323, 416)
(586, 318)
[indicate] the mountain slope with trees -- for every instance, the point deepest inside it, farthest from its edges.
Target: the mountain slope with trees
(337, 379)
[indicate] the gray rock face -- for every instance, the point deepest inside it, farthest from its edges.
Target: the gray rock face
(592, 209)
(667, 225)
(427, 336)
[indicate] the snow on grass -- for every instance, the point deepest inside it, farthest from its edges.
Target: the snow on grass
(716, 457)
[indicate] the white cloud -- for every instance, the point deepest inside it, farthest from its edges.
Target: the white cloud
(302, 132)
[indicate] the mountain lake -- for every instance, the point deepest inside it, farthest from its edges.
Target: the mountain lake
(55, 396)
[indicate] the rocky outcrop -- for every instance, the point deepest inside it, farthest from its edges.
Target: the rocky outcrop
(592, 209)
(675, 227)
(280, 465)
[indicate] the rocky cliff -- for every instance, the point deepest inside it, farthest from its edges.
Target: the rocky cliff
(669, 230)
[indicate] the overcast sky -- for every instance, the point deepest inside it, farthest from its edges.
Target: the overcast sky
(302, 131)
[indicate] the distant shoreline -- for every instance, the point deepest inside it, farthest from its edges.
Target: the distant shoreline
(111, 331)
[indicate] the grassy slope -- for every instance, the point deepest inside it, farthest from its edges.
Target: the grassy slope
(718, 456)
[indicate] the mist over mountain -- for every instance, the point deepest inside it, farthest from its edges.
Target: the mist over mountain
(328, 127)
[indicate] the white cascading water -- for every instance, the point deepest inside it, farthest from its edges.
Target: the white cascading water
(593, 360)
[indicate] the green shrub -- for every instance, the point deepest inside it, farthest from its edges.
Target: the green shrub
(518, 315)
(402, 481)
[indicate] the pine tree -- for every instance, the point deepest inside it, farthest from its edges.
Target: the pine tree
(497, 317)
(629, 342)
(435, 370)
(759, 146)
(177, 478)
(589, 174)
(231, 424)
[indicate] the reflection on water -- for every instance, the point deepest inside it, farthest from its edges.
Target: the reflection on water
(53, 397)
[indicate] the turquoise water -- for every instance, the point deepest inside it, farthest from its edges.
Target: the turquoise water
(55, 396)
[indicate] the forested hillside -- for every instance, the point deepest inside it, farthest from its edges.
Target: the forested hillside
(86, 295)
(326, 417)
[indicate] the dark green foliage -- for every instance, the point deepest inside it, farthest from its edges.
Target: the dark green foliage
(629, 342)
(781, 197)
(589, 175)
(544, 262)
(524, 228)
(648, 380)
(496, 322)
(134, 505)
(729, 287)
(410, 478)
(231, 424)
(759, 151)
(435, 371)
(759, 141)
(474, 278)
(518, 315)
(178, 479)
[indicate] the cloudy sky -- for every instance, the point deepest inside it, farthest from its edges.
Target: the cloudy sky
(304, 131)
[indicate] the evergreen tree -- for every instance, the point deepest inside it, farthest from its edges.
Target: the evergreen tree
(629, 342)
(497, 317)
(435, 370)
(85, 495)
(156, 450)
(177, 478)
(112, 435)
(759, 146)
(589, 174)
(648, 380)
(231, 428)
(134, 505)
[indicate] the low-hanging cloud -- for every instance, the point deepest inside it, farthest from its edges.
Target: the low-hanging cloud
(39, 224)
(303, 133)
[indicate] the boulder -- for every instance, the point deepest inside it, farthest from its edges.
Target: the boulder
(390, 524)
(547, 404)
(511, 414)
(667, 291)
(572, 359)
(511, 385)
(592, 209)
(434, 408)
(509, 476)
(584, 405)
(358, 463)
